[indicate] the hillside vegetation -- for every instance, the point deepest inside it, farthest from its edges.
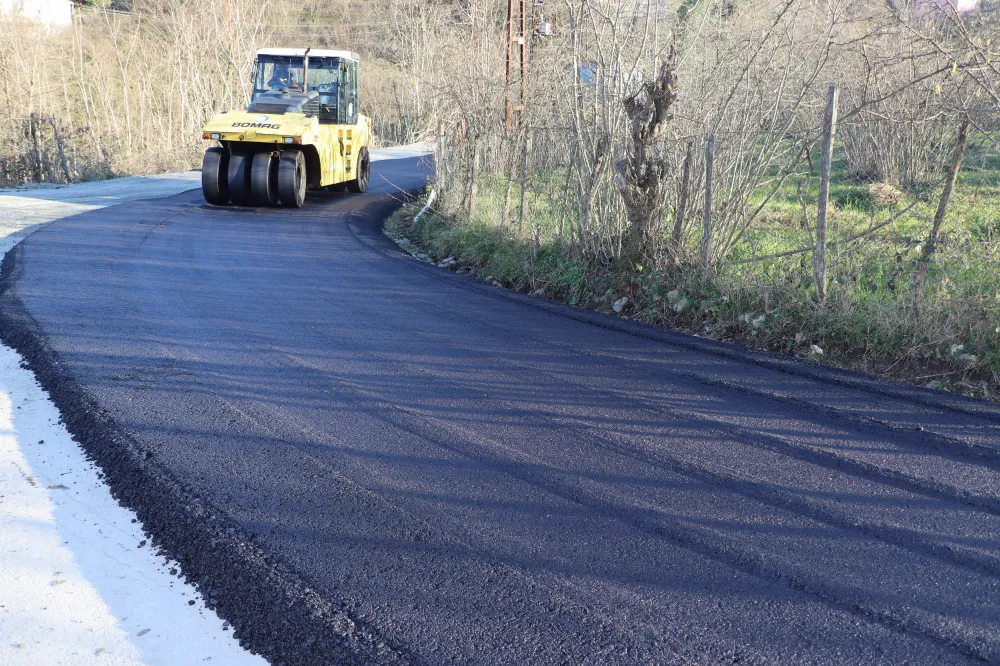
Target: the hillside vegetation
(127, 89)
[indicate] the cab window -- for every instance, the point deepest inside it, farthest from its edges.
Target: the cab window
(325, 78)
(277, 72)
(349, 93)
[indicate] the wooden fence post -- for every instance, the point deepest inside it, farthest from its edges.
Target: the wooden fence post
(829, 131)
(524, 179)
(706, 238)
(474, 177)
(681, 211)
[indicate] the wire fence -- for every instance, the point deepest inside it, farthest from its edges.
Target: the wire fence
(548, 186)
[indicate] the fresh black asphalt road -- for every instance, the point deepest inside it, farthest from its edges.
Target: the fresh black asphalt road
(362, 458)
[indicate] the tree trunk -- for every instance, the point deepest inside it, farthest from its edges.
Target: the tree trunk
(640, 178)
(59, 148)
(36, 151)
(949, 185)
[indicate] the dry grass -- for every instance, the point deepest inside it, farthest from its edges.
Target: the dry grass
(127, 93)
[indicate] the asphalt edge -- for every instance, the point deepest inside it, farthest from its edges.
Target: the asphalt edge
(791, 365)
(273, 612)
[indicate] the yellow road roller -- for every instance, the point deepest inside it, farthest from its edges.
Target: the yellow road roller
(302, 130)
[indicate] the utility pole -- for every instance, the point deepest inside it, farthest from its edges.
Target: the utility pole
(516, 23)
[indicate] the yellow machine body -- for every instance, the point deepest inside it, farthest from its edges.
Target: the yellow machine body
(301, 130)
(332, 150)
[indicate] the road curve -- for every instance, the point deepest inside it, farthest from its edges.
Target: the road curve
(361, 458)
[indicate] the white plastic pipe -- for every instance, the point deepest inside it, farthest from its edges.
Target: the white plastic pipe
(427, 205)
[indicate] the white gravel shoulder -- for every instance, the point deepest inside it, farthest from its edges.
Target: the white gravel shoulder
(401, 152)
(77, 583)
(24, 209)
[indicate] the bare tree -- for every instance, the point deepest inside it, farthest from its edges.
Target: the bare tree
(641, 177)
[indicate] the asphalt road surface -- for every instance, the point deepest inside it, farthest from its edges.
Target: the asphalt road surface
(361, 458)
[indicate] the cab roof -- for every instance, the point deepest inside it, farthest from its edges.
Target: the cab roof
(317, 53)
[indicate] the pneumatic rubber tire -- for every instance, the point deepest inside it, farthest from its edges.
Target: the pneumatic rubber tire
(215, 176)
(264, 179)
(292, 178)
(360, 184)
(239, 178)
